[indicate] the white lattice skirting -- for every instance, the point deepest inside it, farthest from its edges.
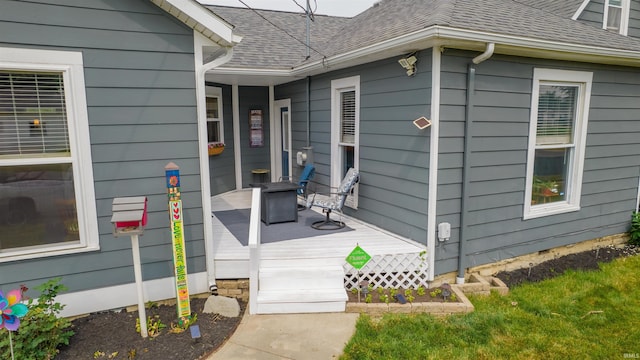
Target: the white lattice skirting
(389, 271)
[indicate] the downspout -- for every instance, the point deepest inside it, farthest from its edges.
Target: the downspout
(432, 199)
(204, 160)
(466, 159)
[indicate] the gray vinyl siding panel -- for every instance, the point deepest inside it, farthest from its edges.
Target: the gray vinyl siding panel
(394, 155)
(253, 98)
(140, 88)
(498, 156)
(222, 173)
(634, 19)
(593, 13)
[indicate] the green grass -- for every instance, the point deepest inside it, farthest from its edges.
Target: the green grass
(579, 315)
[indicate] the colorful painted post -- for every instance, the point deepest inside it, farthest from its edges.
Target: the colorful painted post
(172, 172)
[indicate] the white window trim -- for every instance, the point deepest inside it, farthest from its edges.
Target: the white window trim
(624, 16)
(212, 91)
(574, 176)
(338, 86)
(70, 63)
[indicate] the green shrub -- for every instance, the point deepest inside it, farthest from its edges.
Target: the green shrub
(634, 231)
(41, 331)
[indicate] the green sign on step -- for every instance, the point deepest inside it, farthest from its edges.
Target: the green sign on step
(358, 258)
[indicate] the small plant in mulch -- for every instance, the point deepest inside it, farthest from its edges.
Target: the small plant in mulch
(634, 231)
(401, 295)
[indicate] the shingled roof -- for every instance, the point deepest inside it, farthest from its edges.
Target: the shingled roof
(265, 46)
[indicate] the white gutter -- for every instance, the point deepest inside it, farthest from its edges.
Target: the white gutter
(201, 69)
(432, 201)
(434, 33)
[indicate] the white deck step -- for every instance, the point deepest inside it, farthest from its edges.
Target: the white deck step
(308, 289)
(307, 278)
(301, 301)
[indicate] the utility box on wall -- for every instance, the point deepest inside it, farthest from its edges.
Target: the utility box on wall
(305, 156)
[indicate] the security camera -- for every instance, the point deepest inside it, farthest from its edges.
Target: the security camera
(409, 64)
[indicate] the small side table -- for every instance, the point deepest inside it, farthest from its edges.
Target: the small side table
(279, 202)
(260, 175)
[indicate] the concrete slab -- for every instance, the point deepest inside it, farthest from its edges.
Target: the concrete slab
(289, 336)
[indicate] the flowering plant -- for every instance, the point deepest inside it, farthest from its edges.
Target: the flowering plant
(11, 310)
(215, 145)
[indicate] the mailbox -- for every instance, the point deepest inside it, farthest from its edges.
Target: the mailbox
(129, 215)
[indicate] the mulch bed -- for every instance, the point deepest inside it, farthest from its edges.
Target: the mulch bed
(434, 294)
(112, 335)
(587, 260)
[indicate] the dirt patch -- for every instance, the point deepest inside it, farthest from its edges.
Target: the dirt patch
(587, 260)
(112, 335)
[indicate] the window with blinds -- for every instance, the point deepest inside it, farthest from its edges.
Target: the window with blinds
(556, 114)
(348, 116)
(215, 126)
(33, 115)
(557, 138)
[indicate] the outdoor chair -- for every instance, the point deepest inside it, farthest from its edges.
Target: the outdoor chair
(334, 202)
(306, 176)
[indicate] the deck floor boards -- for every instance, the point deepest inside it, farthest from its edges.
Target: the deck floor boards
(336, 245)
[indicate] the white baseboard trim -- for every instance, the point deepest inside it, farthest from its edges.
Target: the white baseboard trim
(120, 296)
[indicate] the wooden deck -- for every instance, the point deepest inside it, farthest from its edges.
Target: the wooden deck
(232, 258)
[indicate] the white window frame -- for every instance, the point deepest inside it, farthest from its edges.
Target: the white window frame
(216, 92)
(70, 65)
(624, 16)
(576, 166)
(337, 87)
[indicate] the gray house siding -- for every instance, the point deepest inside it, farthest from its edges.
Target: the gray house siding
(634, 19)
(499, 152)
(140, 88)
(222, 167)
(593, 13)
(394, 155)
(253, 98)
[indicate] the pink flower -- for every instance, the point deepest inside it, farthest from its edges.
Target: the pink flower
(215, 145)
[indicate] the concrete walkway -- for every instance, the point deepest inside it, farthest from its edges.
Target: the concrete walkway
(289, 336)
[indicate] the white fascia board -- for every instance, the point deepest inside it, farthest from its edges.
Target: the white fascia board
(221, 70)
(580, 9)
(443, 34)
(193, 14)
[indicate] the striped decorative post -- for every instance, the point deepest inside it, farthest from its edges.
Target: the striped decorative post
(172, 172)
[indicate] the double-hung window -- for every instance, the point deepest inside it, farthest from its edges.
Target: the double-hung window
(345, 121)
(616, 16)
(557, 136)
(215, 126)
(46, 182)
